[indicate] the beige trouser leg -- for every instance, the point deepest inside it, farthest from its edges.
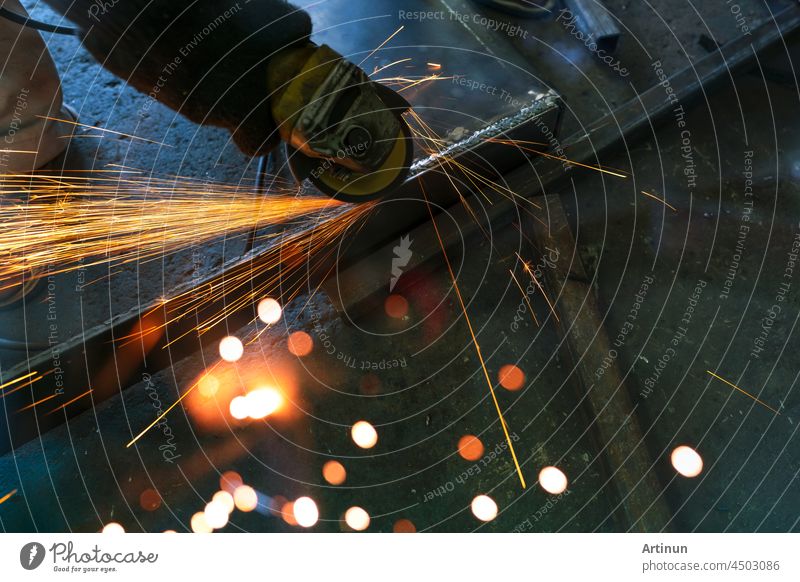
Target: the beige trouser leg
(29, 87)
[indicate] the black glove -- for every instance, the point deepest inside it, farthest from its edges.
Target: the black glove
(207, 59)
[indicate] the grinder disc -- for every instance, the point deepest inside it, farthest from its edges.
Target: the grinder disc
(349, 186)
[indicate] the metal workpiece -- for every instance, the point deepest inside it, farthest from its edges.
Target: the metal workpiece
(639, 503)
(522, 285)
(599, 28)
(94, 348)
(443, 179)
(631, 121)
(107, 358)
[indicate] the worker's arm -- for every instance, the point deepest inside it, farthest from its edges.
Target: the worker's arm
(207, 59)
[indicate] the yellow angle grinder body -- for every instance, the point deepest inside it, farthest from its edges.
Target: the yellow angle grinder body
(343, 132)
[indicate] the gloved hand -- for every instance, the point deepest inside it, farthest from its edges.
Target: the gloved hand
(207, 59)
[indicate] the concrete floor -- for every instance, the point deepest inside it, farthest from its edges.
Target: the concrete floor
(80, 475)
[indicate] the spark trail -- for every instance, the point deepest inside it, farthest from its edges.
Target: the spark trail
(52, 223)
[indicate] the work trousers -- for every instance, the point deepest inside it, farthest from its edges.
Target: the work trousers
(30, 90)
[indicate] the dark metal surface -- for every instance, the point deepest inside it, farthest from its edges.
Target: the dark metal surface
(639, 505)
(107, 358)
(592, 18)
(94, 349)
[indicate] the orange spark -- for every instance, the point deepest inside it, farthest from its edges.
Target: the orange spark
(475, 343)
(524, 296)
(173, 405)
(383, 44)
(37, 403)
(732, 385)
(15, 380)
(518, 144)
(539, 285)
(23, 385)
(76, 220)
(120, 133)
(68, 402)
(664, 202)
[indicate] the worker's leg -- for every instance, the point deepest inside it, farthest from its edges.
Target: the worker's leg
(29, 88)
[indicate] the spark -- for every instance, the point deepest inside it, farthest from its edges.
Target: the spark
(15, 380)
(120, 133)
(435, 65)
(24, 384)
(732, 385)
(301, 250)
(173, 405)
(390, 65)
(664, 202)
(405, 83)
(539, 285)
(67, 403)
(519, 144)
(7, 496)
(524, 296)
(37, 403)
(74, 220)
(383, 44)
(475, 343)
(436, 148)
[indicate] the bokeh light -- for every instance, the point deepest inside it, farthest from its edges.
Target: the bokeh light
(306, 513)
(364, 434)
(300, 344)
(357, 518)
(209, 404)
(208, 385)
(231, 349)
(334, 472)
(216, 514)
(687, 461)
(199, 523)
(269, 311)
(553, 480)
(287, 513)
(511, 377)
(229, 481)
(470, 447)
(262, 402)
(225, 499)
(404, 526)
(239, 408)
(245, 498)
(113, 527)
(484, 508)
(150, 500)
(396, 306)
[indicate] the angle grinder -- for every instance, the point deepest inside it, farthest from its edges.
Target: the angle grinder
(343, 132)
